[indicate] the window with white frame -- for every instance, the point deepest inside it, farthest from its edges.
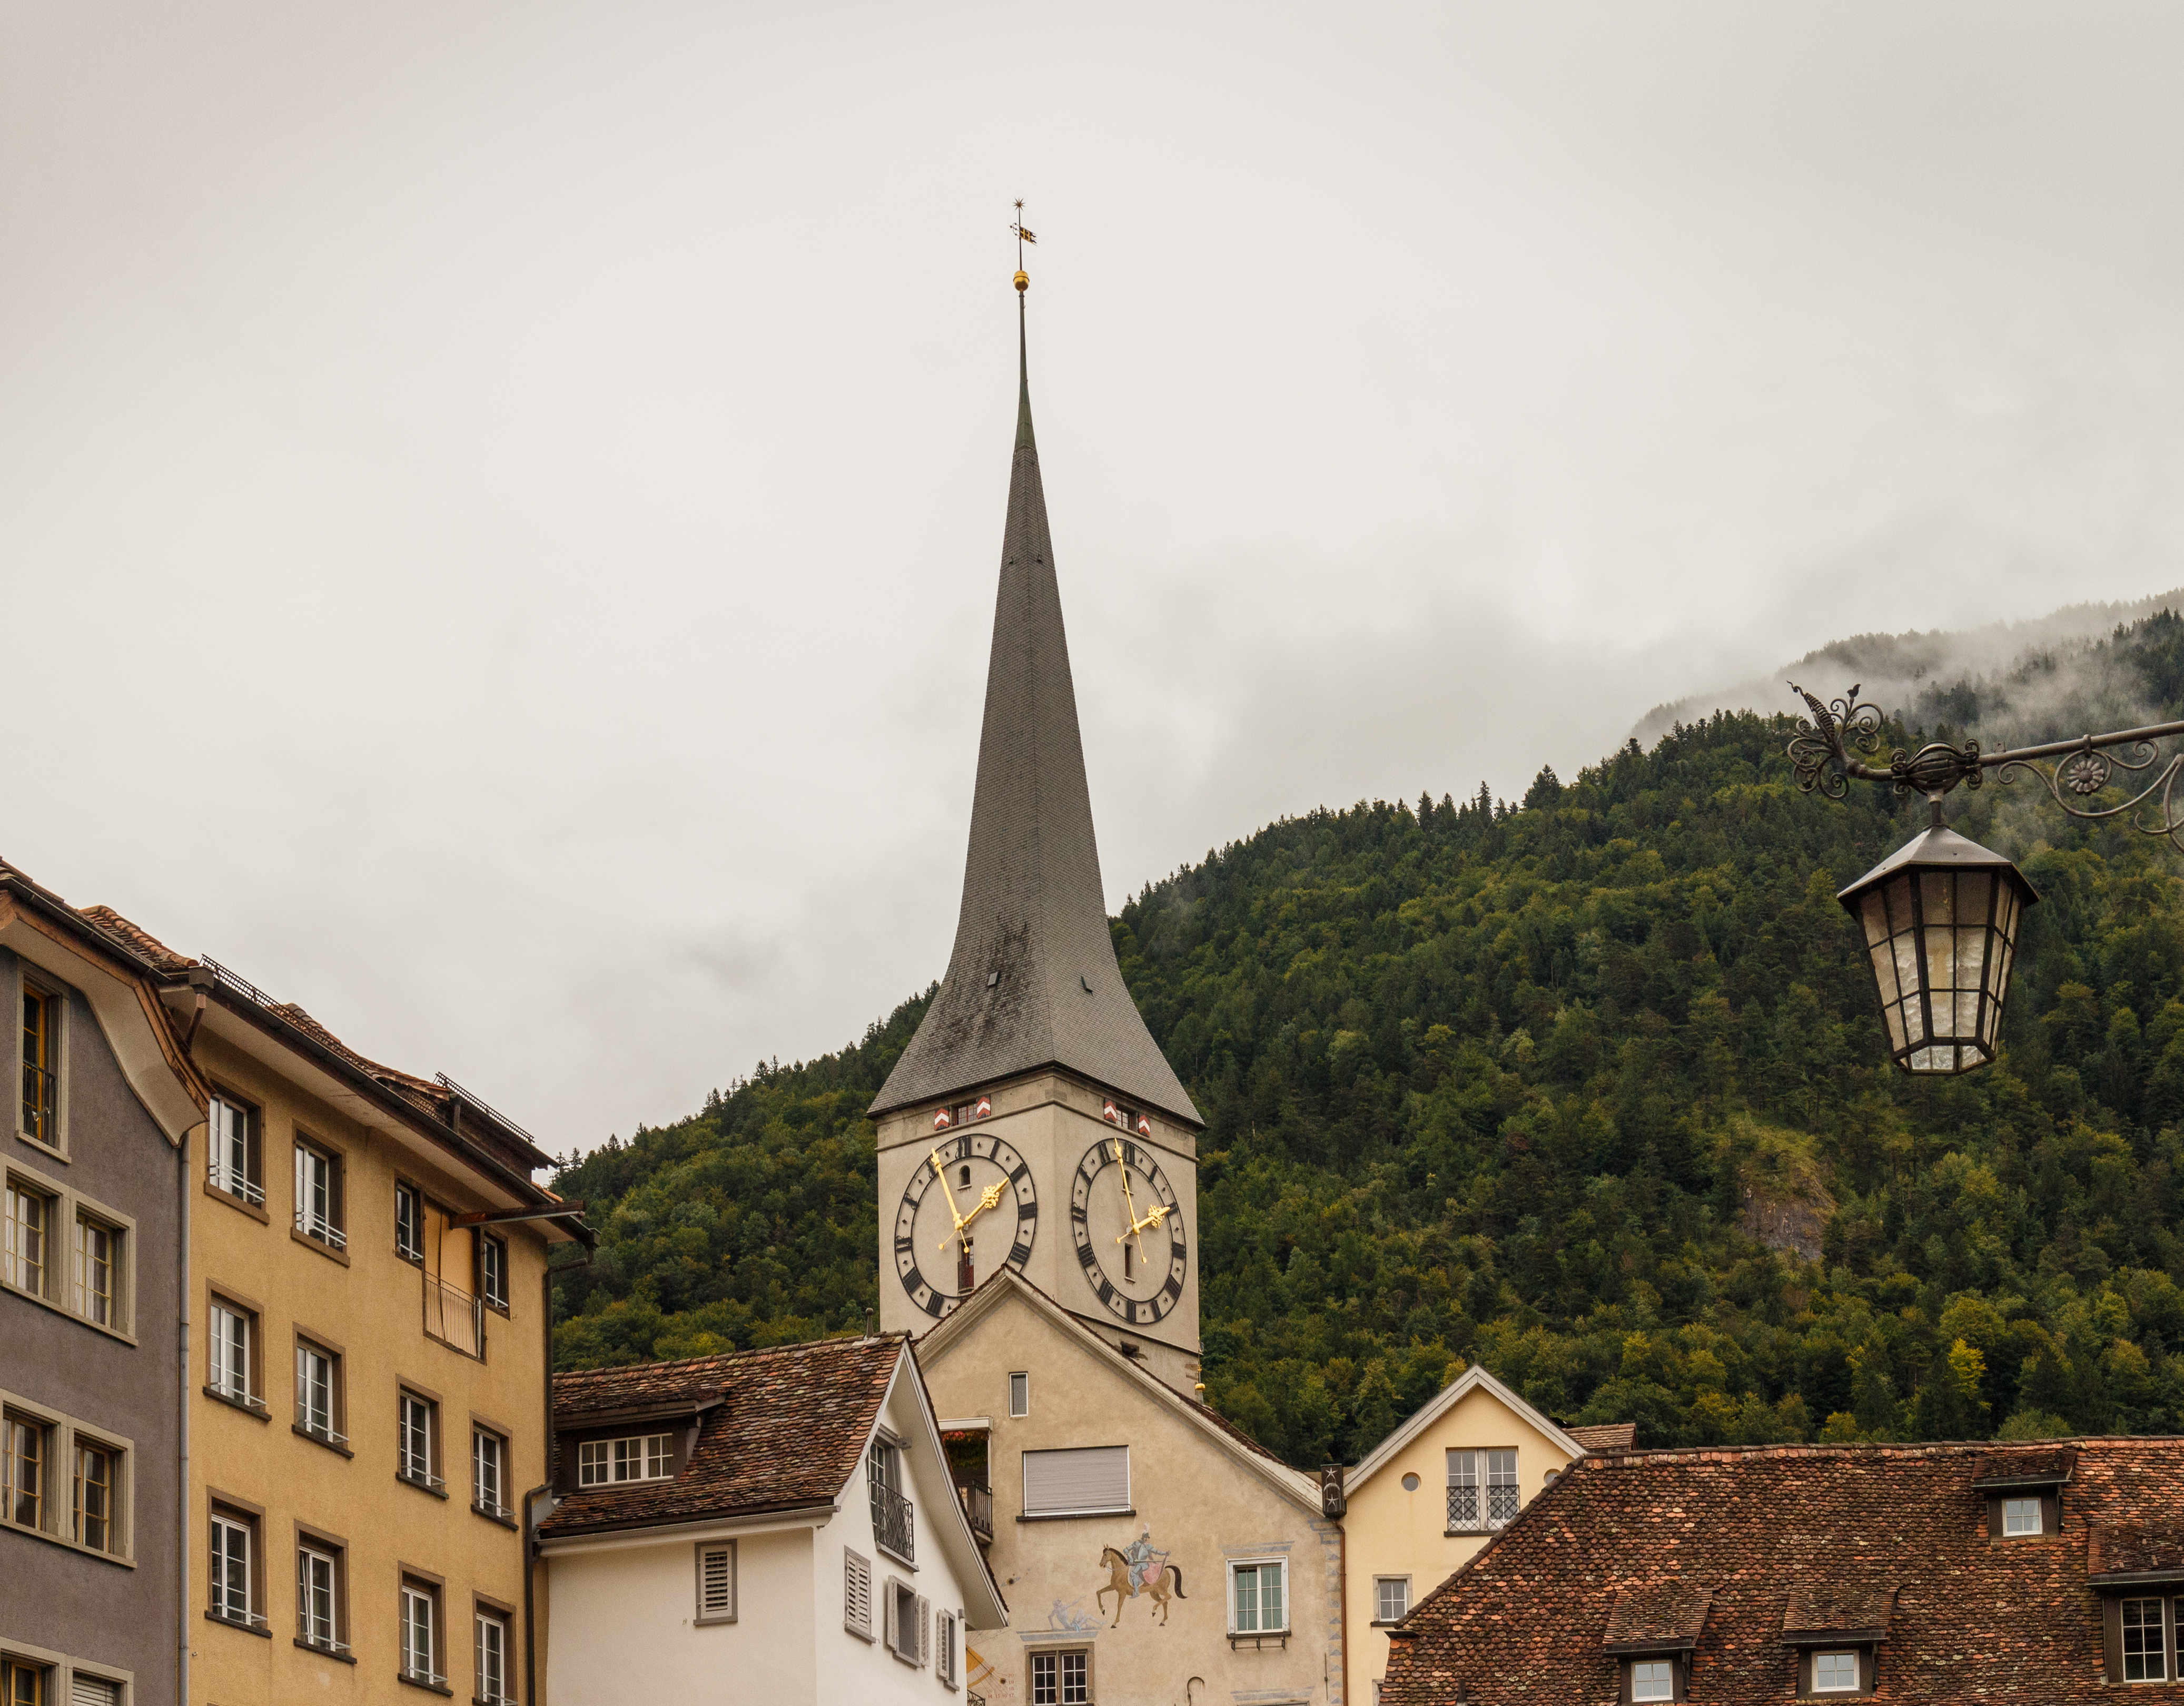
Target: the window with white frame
(1020, 1393)
(318, 1393)
(417, 1426)
(2144, 1645)
(233, 1165)
(233, 1340)
(716, 1581)
(1392, 1598)
(100, 1293)
(1482, 1490)
(25, 1452)
(488, 1471)
(420, 1613)
(906, 1622)
(493, 1270)
(1834, 1673)
(234, 1567)
(1652, 1679)
(640, 1457)
(857, 1594)
(27, 1263)
(409, 1222)
(491, 1644)
(318, 1196)
(1061, 1679)
(1258, 1602)
(318, 1597)
(2021, 1516)
(95, 1504)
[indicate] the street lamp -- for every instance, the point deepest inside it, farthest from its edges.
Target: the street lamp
(1940, 915)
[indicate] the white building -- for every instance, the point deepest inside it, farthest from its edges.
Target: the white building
(779, 1525)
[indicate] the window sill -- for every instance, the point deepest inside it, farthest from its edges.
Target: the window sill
(322, 1651)
(1075, 1515)
(899, 1660)
(320, 1439)
(41, 1145)
(1474, 1533)
(240, 1205)
(66, 1544)
(507, 1521)
(1241, 1638)
(863, 1635)
(1386, 1623)
(499, 1309)
(239, 1628)
(257, 1411)
(115, 1333)
(408, 1681)
(332, 1255)
(908, 1564)
(422, 1485)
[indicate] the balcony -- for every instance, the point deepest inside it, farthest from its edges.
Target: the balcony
(979, 1506)
(895, 1524)
(454, 1317)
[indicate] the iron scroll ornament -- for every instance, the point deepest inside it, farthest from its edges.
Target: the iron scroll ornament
(2073, 771)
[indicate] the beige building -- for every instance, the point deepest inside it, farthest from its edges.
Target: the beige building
(368, 1331)
(1434, 1492)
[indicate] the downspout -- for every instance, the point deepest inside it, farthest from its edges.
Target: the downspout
(182, 1429)
(530, 1499)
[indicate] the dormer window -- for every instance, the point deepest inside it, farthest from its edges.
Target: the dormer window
(2024, 1490)
(642, 1458)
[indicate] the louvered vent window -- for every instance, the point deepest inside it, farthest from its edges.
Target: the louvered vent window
(717, 1582)
(857, 1594)
(90, 1690)
(1077, 1483)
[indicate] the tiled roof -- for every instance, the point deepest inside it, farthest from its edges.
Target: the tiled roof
(1834, 1606)
(2127, 1549)
(147, 947)
(1658, 1615)
(1605, 1437)
(2003, 1622)
(788, 1431)
(2047, 1466)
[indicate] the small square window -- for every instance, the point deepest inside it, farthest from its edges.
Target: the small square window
(409, 1222)
(1392, 1598)
(2021, 1516)
(1652, 1679)
(1834, 1673)
(1020, 1393)
(1060, 1679)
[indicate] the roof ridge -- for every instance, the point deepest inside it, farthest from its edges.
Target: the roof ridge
(1849, 1448)
(802, 1344)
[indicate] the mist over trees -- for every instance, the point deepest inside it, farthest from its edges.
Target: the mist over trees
(1589, 1088)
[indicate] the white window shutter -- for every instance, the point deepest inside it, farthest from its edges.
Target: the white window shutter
(857, 1594)
(924, 1631)
(717, 1582)
(1094, 1478)
(893, 1634)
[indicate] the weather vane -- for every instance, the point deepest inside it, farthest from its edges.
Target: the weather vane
(1023, 236)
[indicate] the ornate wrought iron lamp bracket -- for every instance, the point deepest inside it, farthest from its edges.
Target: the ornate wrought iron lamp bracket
(1825, 750)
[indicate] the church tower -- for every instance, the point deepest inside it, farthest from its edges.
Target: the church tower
(1032, 1122)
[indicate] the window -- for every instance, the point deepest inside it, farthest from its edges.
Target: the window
(318, 1393)
(1076, 1483)
(1652, 1679)
(1256, 1599)
(488, 1471)
(234, 1566)
(1482, 1490)
(41, 1067)
(1392, 1598)
(97, 1470)
(98, 1293)
(2145, 1646)
(22, 1684)
(320, 1621)
(409, 1222)
(857, 1594)
(420, 1633)
(1020, 1394)
(492, 1271)
(716, 1581)
(645, 1457)
(318, 1196)
(29, 1220)
(906, 1622)
(92, 1691)
(1060, 1679)
(24, 1448)
(894, 1520)
(2021, 1516)
(491, 1645)
(417, 1426)
(1834, 1673)
(233, 1339)
(234, 1164)
(944, 1648)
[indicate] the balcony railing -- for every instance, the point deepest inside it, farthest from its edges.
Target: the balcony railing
(454, 1317)
(40, 1099)
(895, 1523)
(318, 1226)
(241, 1616)
(223, 1177)
(320, 1429)
(978, 1506)
(1465, 1508)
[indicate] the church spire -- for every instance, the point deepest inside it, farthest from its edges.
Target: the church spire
(1032, 981)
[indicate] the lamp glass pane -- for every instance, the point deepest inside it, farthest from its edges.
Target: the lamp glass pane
(1884, 974)
(1893, 1012)
(1936, 898)
(1873, 910)
(1898, 891)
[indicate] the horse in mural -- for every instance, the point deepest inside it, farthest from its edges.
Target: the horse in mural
(1163, 1582)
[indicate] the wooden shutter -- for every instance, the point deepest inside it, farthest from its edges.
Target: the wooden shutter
(857, 1594)
(1092, 1477)
(924, 1630)
(90, 1690)
(717, 1582)
(893, 1632)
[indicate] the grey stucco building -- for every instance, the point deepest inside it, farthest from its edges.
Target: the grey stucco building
(93, 1232)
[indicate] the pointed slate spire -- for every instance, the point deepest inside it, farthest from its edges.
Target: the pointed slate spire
(1032, 980)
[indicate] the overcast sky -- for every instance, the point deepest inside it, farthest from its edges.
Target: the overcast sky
(500, 504)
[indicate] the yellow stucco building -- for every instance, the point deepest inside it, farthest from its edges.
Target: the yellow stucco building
(368, 1334)
(1433, 1493)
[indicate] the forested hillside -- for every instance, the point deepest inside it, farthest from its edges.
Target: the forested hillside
(1589, 1089)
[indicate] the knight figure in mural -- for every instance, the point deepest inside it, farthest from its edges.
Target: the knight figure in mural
(1144, 1562)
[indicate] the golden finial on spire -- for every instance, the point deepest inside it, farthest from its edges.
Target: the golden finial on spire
(1023, 236)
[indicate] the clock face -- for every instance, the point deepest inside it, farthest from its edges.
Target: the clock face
(970, 1187)
(1128, 1228)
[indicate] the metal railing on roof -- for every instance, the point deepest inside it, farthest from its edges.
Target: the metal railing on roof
(485, 1107)
(235, 980)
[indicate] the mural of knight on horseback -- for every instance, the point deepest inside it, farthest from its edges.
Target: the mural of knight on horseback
(1140, 1568)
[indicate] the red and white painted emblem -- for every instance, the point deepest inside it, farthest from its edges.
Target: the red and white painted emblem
(941, 1120)
(985, 1107)
(1109, 1113)
(1144, 1126)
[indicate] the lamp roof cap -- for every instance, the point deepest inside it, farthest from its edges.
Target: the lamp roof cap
(1939, 849)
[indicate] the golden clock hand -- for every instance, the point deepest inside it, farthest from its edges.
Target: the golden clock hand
(1129, 1205)
(987, 1199)
(940, 1172)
